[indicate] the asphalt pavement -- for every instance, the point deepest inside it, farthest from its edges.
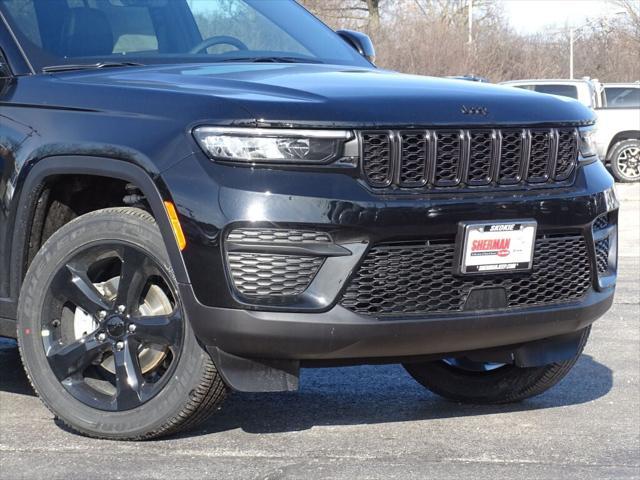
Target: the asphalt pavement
(374, 422)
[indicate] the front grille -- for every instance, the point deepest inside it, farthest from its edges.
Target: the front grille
(418, 279)
(264, 275)
(428, 159)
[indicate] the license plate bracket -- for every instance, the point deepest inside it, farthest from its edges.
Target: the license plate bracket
(505, 246)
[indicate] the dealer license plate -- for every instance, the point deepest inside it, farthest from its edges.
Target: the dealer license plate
(497, 247)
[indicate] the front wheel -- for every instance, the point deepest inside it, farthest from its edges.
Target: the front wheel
(625, 160)
(103, 334)
(466, 381)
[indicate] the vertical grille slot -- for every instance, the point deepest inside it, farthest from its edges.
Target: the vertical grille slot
(481, 157)
(540, 156)
(511, 156)
(414, 148)
(567, 153)
(448, 161)
(377, 160)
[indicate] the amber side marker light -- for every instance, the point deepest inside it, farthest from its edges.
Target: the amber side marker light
(175, 225)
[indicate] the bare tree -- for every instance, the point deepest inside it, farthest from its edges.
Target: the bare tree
(363, 13)
(430, 37)
(632, 10)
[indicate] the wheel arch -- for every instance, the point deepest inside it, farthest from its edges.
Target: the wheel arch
(620, 137)
(50, 167)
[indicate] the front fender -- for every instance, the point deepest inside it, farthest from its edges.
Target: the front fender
(154, 191)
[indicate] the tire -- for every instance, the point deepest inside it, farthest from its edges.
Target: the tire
(504, 384)
(124, 382)
(625, 160)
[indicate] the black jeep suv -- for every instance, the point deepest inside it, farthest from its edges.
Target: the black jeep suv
(205, 196)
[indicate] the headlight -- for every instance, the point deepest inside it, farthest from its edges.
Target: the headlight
(264, 145)
(587, 142)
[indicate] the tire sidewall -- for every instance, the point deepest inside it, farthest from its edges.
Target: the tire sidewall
(140, 231)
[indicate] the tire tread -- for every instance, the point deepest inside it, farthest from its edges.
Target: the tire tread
(523, 383)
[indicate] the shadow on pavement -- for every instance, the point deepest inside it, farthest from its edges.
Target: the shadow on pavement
(352, 396)
(12, 376)
(383, 394)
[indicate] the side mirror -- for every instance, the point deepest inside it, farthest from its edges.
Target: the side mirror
(361, 42)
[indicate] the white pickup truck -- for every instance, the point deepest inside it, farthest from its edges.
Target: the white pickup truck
(618, 109)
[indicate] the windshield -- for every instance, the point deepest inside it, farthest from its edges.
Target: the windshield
(84, 32)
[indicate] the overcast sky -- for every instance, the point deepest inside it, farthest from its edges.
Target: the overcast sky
(530, 16)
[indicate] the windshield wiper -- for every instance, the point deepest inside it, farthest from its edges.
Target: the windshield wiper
(272, 60)
(89, 66)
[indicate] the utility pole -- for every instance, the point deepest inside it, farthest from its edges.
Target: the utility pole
(470, 22)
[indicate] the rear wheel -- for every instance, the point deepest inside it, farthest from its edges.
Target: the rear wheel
(467, 381)
(625, 160)
(103, 334)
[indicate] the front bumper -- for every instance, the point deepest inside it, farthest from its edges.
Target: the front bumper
(341, 334)
(213, 199)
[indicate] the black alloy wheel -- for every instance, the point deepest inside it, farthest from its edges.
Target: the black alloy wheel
(103, 333)
(113, 327)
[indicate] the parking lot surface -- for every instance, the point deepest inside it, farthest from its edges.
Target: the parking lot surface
(374, 422)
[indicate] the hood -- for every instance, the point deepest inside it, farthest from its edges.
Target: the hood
(337, 96)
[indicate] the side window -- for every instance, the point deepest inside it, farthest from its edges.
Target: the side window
(562, 90)
(622, 97)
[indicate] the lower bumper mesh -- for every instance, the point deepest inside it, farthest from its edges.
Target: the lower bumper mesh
(602, 245)
(263, 275)
(418, 279)
(602, 255)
